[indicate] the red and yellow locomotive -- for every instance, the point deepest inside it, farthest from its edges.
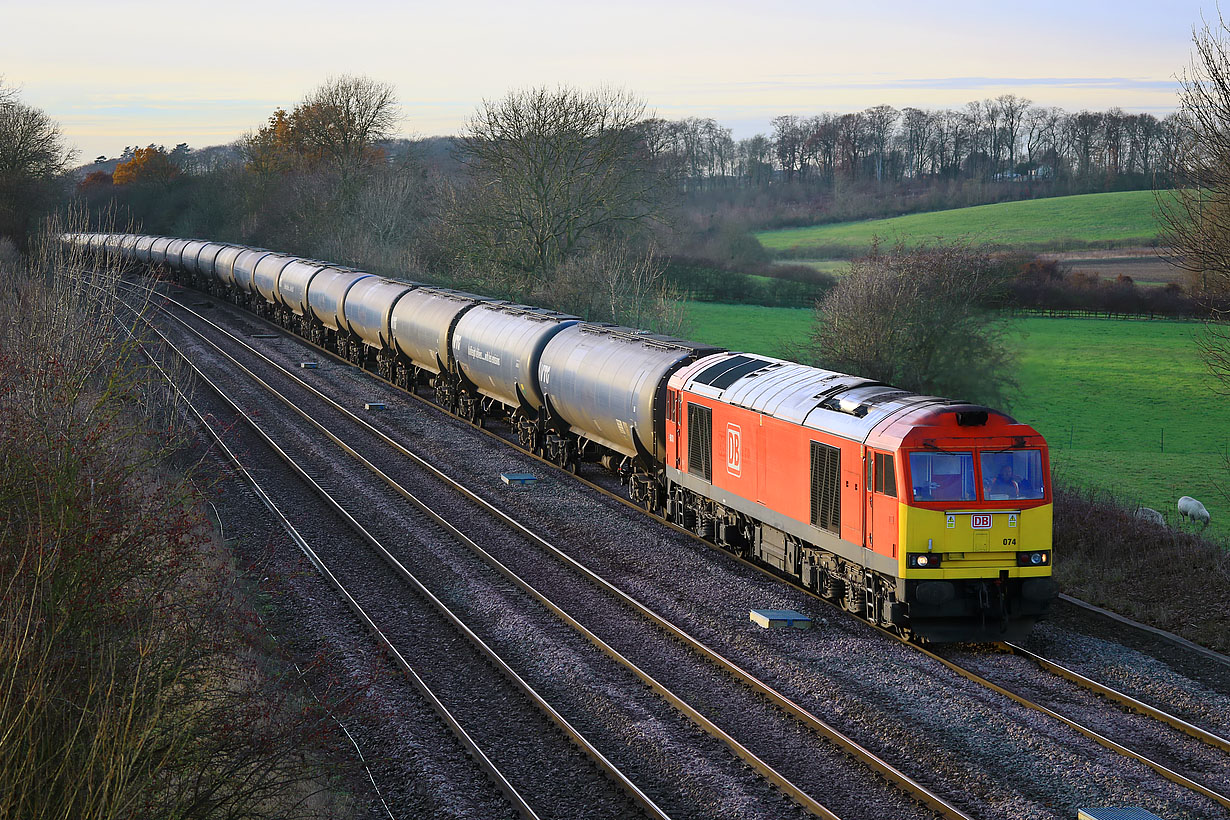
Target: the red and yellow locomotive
(928, 516)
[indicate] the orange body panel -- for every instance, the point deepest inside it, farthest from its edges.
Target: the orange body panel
(767, 460)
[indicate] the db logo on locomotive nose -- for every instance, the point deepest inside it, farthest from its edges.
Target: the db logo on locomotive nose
(980, 522)
(734, 450)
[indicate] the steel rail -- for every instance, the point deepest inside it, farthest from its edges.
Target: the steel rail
(1169, 637)
(502, 783)
(1164, 771)
(1121, 698)
(886, 770)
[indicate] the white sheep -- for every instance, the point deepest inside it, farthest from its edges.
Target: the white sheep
(1193, 510)
(1150, 516)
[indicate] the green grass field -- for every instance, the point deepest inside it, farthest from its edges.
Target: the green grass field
(1056, 223)
(1103, 392)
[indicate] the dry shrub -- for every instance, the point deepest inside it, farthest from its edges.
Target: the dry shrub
(132, 682)
(1175, 580)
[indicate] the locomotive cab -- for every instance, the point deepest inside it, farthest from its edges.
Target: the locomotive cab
(974, 521)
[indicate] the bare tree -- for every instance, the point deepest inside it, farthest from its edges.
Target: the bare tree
(552, 170)
(1014, 110)
(880, 121)
(788, 142)
(616, 282)
(32, 155)
(1196, 215)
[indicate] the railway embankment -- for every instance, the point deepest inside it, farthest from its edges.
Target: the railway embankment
(108, 562)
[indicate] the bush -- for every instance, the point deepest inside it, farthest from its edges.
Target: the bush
(131, 677)
(918, 319)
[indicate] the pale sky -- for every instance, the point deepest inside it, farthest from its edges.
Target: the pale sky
(131, 73)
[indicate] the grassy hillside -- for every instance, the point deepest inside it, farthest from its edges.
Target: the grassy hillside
(1057, 223)
(1104, 393)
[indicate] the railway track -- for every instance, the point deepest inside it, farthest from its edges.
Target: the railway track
(875, 766)
(477, 670)
(1199, 735)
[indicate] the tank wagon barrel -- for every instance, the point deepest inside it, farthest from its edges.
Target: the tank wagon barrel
(609, 385)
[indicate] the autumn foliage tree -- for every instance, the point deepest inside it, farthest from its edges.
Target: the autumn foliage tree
(338, 125)
(95, 180)
(150, 164)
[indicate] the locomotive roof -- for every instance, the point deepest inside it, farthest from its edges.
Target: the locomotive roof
(848, 406)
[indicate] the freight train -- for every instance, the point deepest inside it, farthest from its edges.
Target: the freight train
(927, 516)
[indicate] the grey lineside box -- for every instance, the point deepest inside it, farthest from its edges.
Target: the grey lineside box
(778, 618)
(1116, 814)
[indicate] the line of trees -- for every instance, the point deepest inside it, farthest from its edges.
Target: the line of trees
(1005, 138)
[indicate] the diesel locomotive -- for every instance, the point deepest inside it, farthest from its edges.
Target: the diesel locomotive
(924, 515)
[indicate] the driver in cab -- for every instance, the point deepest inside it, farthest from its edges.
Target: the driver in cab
(1004, 485)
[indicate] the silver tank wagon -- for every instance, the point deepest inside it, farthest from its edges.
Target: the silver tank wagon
(369, 309)
(174, 253)
(158, 250)
(188, 255)
(127, 246)
(421, 321)
(497, 347)
(265, 275)
(244, 269)
(294, 283)
(607, 382)
(224, 265)
(142, 248)
(326, 294)
(205, 260)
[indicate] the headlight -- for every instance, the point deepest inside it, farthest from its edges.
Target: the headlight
(923, 560)
(1040, 558)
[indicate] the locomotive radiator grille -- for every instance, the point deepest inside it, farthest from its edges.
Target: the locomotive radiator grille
(825, 486)
(700, 441)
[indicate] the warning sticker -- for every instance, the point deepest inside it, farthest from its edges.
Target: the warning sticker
(1011, 519)
(952, 522)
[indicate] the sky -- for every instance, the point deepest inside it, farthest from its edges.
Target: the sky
(133, 73)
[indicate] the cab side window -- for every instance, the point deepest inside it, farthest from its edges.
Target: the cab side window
(886, 476)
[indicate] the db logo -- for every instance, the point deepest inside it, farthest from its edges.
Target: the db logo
(734, 449)
(980, 522)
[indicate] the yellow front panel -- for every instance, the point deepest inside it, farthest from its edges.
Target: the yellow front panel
(970, 552)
